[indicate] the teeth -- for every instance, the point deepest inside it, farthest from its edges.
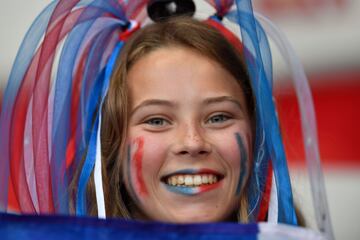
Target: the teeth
(197, 180)
(192, 180)
(205, 179)
(211, 179)
(188, 180)
(181, 180)
(173, 181)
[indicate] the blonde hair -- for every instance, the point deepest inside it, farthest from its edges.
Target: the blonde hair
(185, 32)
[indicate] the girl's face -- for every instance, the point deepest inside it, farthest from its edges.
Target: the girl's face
(189, 138)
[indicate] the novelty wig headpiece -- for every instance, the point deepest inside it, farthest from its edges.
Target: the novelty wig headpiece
(51, 113)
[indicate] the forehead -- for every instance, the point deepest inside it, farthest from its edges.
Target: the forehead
(172, 71)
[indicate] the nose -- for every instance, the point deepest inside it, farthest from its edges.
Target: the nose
(191, 141)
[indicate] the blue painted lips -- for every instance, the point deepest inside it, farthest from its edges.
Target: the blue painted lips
(188, 191)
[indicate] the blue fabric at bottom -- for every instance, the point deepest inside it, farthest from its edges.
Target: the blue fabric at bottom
(61, 227)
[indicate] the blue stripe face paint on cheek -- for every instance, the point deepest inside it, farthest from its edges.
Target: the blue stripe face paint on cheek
(243, 162)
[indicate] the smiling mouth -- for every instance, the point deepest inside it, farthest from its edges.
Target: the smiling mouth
(192, 182)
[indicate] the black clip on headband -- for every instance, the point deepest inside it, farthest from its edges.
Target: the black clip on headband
(161, 10)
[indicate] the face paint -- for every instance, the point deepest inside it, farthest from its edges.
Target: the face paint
(137, 164)
(135, 176)
(243, 162)
(192, 191)
(131, 187)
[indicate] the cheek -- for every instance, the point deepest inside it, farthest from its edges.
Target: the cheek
(234, 146)
(145, 157)
(229, 149)
(135, 168)
(155, 151)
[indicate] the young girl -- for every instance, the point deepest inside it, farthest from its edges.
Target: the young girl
(178, 126)
(173, 122)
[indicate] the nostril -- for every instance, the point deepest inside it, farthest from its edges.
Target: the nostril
(187, 152)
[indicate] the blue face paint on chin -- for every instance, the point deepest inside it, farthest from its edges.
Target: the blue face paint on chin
(243, 162)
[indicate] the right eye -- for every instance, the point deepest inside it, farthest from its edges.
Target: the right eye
(157, 122)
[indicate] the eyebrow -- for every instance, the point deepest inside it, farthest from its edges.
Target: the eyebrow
(156, 102)
(220, 99)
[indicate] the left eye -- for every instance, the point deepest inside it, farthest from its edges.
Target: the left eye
(219, 118)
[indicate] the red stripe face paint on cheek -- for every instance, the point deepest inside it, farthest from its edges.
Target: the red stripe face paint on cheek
(137, 163)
